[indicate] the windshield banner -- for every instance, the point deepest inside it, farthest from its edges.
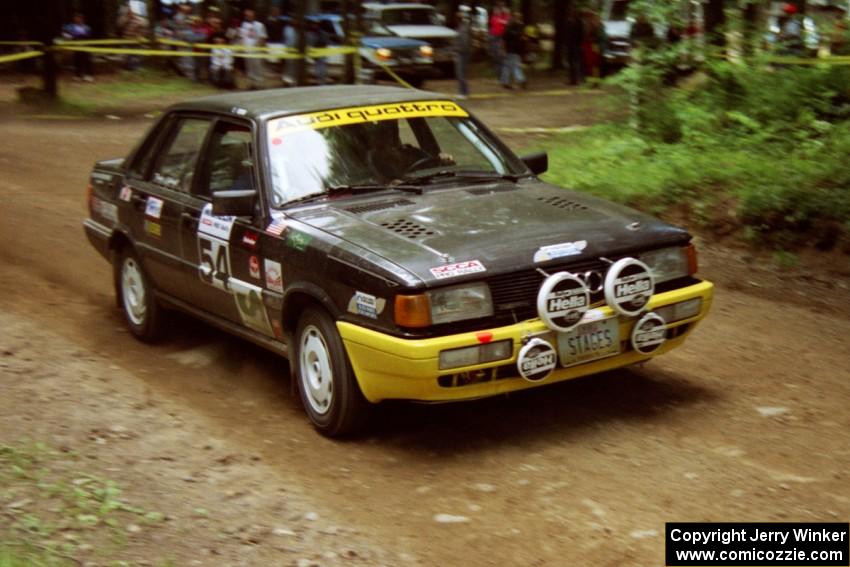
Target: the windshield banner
(361, 114)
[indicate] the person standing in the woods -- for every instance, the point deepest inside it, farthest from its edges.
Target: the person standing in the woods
(498, 23)
(574, 34)
(463, 49)
(253, 34)
(78, 29)
(513, 41)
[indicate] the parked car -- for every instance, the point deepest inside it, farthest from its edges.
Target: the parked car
(417, 21)
(411, 59)
(387, 243)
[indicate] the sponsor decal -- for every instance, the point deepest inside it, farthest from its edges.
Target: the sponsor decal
(458, 269)
(249, 303)
(214, 266)
(536, 360)
(628, 286)
(546, 253)
(274, 275)
(361, 114)
(298, 240)
(562, 301)
(250, 239)
(276, 227)
(153, 207)
(217, 226)
(153, 228)
(649, 333)
(254, 267)
(107, 210)
(367, 305)
(125, 194)
(277, 328)
(239, 111)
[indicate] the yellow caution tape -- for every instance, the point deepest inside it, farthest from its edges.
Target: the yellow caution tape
(395, 76)
(23, 43)
(326, 51)
(19, 56)
(87, 42)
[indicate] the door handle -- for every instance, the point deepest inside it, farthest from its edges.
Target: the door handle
(188, 219)
(139, 201)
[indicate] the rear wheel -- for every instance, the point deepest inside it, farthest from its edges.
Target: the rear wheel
(326, 382)
(136, 297)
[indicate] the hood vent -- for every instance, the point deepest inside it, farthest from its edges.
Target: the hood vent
(562, 203)
(408, 228)
(488, 190)
(377, 206)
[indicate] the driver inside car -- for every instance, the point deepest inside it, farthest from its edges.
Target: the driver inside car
(391, 159)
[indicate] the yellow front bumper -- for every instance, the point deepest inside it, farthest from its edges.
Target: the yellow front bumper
(393, 368)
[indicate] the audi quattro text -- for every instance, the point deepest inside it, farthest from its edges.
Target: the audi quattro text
(388, 244)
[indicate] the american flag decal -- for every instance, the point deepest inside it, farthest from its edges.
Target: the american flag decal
(276, 227)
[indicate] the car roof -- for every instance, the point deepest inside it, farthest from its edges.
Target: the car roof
(264, 104)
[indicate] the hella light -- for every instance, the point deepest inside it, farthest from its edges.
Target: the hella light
(460, 302)
(384, 54)
(668, 263)
(426, 51)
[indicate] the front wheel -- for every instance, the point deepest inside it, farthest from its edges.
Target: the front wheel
(326, 382)
(136, 297)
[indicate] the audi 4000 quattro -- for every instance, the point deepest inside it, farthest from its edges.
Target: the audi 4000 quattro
(389, 245)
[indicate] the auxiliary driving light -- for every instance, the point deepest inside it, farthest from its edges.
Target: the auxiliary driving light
(478, 354)
(681, 310)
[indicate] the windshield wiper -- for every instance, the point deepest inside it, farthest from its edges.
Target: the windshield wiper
(461, 174)
(352, 188)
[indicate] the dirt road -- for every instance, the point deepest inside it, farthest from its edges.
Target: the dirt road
(749, 421)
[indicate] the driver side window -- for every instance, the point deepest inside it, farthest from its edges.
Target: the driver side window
(230, 162)
(175, 166)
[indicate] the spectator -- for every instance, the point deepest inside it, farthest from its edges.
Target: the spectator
(513, 44)
(791, 31)
(183, 32)
(463, 49)
(290, 40)
(253, 34)
(316, 37)
(132, 26)
(592, 45)
(498, 22)
(642, 33)
(274, 25)
(221, 63)
(574, 33)
(78, 29)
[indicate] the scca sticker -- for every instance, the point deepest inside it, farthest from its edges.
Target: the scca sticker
(361, 114)
(458, 269)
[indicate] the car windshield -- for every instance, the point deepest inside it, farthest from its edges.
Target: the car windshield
(379, 146)
(375, 28)
(410, 17)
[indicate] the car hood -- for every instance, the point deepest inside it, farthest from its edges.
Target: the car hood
(391, 42)
(423, 32)
(502, 226)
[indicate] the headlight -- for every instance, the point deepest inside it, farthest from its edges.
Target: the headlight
(456, 303)
(668, 263)
(426, 51)
(460, 302)
(384, 54)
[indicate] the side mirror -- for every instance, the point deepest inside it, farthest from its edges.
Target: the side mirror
(537, 162)
(237, 203)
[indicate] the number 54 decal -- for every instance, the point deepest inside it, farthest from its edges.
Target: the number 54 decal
(214, 265)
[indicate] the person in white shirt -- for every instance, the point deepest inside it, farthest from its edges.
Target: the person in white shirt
(221, 63)
(253, 34)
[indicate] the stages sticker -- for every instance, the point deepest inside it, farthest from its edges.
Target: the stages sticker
(361, 114)
(554, 251)
(153, 208)
(213, 225)
(457, 269)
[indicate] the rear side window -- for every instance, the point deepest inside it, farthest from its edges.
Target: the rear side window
(175, 165)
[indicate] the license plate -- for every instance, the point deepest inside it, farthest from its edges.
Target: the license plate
(589, 341)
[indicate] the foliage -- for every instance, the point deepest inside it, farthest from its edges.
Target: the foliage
(757, 150)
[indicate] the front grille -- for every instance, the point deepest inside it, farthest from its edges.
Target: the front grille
(516, 293)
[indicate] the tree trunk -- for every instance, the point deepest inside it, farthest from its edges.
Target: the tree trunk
(346, 32)
(527, 9)
(750, 17)
(559, 15)
(715, 22)
(301, 30)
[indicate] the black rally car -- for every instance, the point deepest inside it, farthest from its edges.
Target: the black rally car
(388, 244)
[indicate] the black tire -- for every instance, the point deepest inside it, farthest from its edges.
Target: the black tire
(135, 295)
(334, 403)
